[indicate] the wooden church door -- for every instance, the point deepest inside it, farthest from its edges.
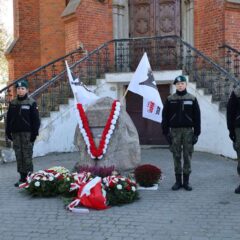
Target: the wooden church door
(150, 18)
(154, 18)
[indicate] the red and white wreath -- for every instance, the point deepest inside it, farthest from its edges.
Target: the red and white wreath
(93, 151)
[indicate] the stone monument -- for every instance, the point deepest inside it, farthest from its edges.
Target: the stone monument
(123, 149)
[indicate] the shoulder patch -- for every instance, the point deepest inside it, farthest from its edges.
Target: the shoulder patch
(188, 102)
(25, 107)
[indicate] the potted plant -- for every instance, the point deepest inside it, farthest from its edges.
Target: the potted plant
(147, 175)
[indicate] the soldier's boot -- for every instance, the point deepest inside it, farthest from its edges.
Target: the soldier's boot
(238, 167)
(237, 190)
(186, 184)
(178, 184)
(22, 179)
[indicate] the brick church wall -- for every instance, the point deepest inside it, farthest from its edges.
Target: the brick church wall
(216, 22)
(25, 54)
(209, 26)
(39, 35)
(232, 24)
(95, 23)
(52, 36)
(43, 35)
(71, 34)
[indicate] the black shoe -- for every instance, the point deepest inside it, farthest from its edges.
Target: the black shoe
(178, 184)
(18, 183)
(237, 190)
(187, 187)
(186, 184)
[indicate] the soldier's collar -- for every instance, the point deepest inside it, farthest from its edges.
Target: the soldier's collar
(22, 98)
(181, 93)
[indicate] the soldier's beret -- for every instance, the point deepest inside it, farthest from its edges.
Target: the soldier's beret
(22, 83)
(180, 78)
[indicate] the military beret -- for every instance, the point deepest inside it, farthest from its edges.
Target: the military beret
(22, 83)
(180, 78)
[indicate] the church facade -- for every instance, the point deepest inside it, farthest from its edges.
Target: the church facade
(45, 30)
(48, 29)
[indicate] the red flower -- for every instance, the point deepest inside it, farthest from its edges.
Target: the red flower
(60, 177)
(112, 184)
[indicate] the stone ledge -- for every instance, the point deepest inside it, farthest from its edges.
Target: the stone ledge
(71, 8)
(232, 4)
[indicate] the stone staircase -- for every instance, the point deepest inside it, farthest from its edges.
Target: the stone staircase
(219, 91)
(51, 99)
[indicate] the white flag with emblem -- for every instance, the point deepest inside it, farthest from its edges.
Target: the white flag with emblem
(81, 93)
(143, 83)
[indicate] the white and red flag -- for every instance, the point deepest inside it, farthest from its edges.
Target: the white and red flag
(144, 84)
(81, 93)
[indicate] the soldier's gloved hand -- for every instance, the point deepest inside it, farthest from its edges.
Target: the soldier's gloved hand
(33, 138)
(168, 138)
(232, 136)
(194, 139)
(9, 136)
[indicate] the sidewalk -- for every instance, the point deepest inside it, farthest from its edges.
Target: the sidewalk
(210, 212)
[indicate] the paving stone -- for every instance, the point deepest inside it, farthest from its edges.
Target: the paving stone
(209, 212)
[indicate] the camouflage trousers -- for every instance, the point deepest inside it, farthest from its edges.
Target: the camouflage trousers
(23, 150)
(236, 144)
(182, 144)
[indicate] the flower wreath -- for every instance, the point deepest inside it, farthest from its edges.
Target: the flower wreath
(93, 151)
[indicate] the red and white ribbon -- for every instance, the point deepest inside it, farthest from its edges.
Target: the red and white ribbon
(84, 186)
(93, 151)
(43, 175)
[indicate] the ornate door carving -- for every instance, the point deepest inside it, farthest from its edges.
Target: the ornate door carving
(167, 17)
(154, 18)
(141, 18)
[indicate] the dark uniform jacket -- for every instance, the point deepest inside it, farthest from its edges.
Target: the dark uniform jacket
(23, 116)
(181, 110)
(233, 110)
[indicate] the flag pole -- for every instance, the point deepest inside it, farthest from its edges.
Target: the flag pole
(124, 95)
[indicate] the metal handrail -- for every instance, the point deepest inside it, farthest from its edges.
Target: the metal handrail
(39, 69)
(230, 48)
(230, 59)
(216, 66)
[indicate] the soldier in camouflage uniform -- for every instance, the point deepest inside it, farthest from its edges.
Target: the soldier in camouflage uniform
(22, 128)
(233, 123)
(181, 126)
